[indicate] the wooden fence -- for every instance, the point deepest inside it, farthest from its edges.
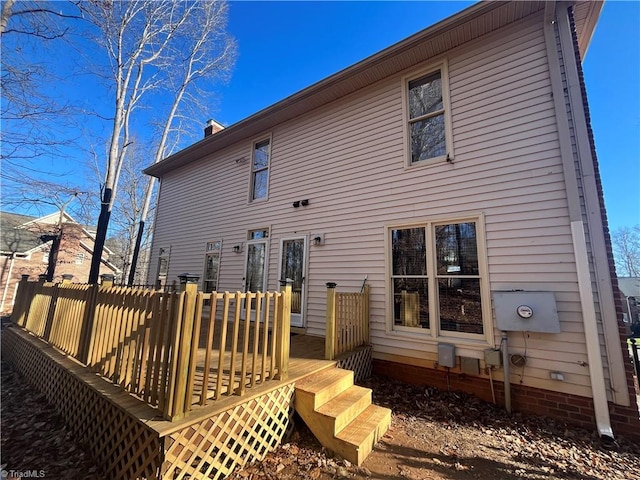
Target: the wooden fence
(347, 321)
(164, 347)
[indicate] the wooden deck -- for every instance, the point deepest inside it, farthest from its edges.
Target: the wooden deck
(306, 358)
(89, 402)
(155, 385)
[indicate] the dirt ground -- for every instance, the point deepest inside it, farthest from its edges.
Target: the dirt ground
(434, 435)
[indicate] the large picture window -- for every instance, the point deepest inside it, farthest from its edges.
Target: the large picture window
(437, 280)
(427, 116)
(260, 169)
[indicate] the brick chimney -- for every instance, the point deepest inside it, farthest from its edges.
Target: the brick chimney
(212, 127)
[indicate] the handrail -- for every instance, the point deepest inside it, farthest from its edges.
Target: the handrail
(149, 341)
(347, 315)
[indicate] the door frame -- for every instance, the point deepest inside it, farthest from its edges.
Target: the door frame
(298, 320)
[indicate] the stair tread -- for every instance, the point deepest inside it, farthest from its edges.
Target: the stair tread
(321, 380)
(361, 428)
(345, 400)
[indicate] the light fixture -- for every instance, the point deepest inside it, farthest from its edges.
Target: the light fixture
(237, 248)
(317, 238)
(296, 204)
(304, 202)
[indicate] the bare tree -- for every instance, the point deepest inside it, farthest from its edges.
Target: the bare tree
(626, 250)
(144, 41)
(127, 208)
(207, 55)
(33, 117)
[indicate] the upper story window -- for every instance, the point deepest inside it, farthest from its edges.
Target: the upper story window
(438, 281)
(79, 258)
(260, 169)
(427, 110)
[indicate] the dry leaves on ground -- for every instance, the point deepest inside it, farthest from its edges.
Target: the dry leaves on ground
(434, 435)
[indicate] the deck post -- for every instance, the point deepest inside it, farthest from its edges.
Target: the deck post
(284, 336)
(365, 319)
(66, 278)
(189, 285)
(330, 329)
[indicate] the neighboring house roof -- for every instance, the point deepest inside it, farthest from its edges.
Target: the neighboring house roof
(629, 286)
(15, 237)
(51, 219)
(471, 23)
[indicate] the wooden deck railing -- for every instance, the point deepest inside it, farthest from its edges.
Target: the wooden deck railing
(164, 347)
(347, 321)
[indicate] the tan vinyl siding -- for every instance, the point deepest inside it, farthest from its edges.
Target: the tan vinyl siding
(347, 158)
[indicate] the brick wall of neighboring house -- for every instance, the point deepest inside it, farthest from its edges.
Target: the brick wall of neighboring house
(72, 259)
(572, 409)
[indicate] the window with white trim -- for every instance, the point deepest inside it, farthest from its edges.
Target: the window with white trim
(79, 258)
(438, 284)
(211, 266)
(260, 169)
(427, 125)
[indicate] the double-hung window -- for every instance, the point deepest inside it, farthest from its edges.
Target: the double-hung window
(438, 279)
(260, 169)
(427, 111)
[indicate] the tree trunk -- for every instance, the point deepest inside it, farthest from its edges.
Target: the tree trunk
(53, 256)
(101, 235)
(136, 252)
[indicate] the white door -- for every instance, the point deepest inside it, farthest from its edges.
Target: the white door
(293, 266)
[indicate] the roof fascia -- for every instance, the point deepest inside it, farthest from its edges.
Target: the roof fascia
(594, 9)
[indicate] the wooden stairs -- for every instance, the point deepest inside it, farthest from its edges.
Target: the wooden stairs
(340, 414)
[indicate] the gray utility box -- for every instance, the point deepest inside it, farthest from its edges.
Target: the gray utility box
(446, 355)
(526, 312)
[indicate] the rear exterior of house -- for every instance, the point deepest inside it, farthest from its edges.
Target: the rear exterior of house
(444, 171)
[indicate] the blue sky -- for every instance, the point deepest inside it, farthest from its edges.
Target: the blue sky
(287, 46)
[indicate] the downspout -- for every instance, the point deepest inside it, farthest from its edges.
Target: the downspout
(506, 372)
(8, 281)
(598, 387)
(596, 372)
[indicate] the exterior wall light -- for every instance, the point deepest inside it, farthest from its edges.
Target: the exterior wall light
(237, 248)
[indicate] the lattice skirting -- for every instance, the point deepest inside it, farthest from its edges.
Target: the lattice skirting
(216, 446)
(359, 361)
(123, 446)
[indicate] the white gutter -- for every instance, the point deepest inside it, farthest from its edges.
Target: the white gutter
(598, 388)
